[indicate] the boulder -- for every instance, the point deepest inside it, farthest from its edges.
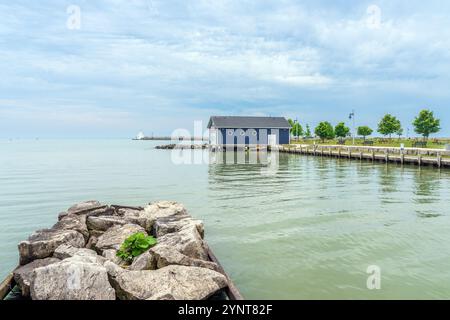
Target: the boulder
(172, 282)
(135, 216)
(111, 255)
(95, 234)
(91, 242)
(119, 207)
(75, 278)
(43, 243)
(162, 209)
(115, 236)
(121, 216)
(188, 241)
(164, 256)
(24, 274)
(173, 224)
(73, 222)
(65, 251)
(83, 208)
(102, 211)
(145, 261)
(103, 223)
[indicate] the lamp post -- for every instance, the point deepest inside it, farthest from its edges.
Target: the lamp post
(352, 117)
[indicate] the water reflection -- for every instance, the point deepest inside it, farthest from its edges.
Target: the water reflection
(325, 220)
(427, 184)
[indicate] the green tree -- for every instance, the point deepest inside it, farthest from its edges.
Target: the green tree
(341, 131)
(399, 133)
(292, 124)
(389, 125)
(325, 131)
(308, 132)
(425, 123)
(364, 131)
(297, 130)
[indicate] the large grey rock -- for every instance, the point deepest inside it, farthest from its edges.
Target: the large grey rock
(102, 211)
(188, 241)
(164, 256)
(162, 209)
(43, 243)
(24, 274)
(91, 242)
(65, 251)
(111, 255)
(75, 278)
(135, 216)
(165, 225)
(73, 222)
(103, 223)
(172, 282)
(115, 236)
(83, 208)
(145, 261)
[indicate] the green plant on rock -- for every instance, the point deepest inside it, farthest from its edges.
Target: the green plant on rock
(135, 245)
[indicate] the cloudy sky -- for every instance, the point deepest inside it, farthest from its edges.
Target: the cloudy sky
(155, 66)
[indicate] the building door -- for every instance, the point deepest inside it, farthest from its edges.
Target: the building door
(272, 139)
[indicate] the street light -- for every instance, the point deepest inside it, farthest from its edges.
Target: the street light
(352, 117)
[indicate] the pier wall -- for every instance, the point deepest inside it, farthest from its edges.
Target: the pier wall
(416, 156)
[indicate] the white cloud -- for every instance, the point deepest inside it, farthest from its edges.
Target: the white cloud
(146, 60)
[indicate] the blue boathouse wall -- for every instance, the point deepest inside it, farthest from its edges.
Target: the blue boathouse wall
(261, 135)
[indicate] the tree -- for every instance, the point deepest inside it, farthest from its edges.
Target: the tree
(425, 123)
(297, 130)
(399, 133)
(292, 124)
(308, 131)
(325, 131)
(364, 131)
(389, 125)
(341, 131)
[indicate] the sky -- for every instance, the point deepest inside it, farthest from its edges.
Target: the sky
(110, 68)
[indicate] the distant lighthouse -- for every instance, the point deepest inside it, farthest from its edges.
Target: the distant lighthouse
(140, 136)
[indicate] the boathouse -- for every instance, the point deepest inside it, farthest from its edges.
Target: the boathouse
(248, 131)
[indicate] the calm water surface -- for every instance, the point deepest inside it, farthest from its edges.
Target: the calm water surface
(307, 230)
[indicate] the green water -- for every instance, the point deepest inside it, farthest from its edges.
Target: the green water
(307, 230)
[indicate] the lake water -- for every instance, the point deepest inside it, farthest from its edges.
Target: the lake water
(306, 229)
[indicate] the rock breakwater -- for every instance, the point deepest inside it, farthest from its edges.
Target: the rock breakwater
(77, 258)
